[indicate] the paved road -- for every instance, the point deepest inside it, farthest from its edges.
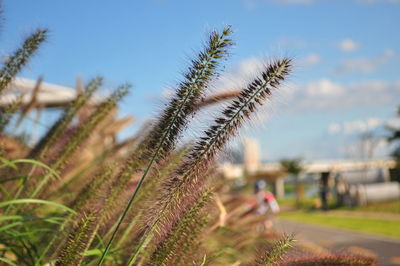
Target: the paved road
(337, 240)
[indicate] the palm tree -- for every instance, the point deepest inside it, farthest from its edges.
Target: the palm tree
(395, 138)
(294, 167)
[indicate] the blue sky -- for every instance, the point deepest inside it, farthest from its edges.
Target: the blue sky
(346, 52)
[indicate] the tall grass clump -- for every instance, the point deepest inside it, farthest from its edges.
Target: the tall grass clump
(58, 128)
(161, 139)
(79, 196)
(189, 180)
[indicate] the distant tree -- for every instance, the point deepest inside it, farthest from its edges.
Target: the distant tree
(394, 137)
(368, 143)
(294, 167)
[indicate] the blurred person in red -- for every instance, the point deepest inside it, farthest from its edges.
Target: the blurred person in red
(266, 203)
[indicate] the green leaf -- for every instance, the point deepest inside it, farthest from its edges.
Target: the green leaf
(7, 163)
(7, 261)
(37, 201)
(29, 161)
(55, 220)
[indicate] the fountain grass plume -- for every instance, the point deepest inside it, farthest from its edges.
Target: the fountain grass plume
(88, 126)
(175, 117)
(82, 133)
(26, 108)
(20, 58)
(144, 199)
(93, 190)
(162, 137)
(331, 260)
(78, 241)
(13, 65)
(166, 169)
(234, 115)
(58, 128)
(161, 140)
(181, 239)
(91, 196)
(7, 112)
(273, 255)
(185, 187)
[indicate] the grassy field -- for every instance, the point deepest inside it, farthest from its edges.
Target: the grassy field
(389, 227)
(310, 204)
(386, 207)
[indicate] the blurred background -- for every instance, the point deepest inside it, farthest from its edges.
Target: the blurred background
(328, 147)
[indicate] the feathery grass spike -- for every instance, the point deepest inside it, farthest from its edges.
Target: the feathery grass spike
(50, 138)
(162, 138)
(274, 254)
(87, 126)
(143, 200)
(20, 58)
(182, 236)
(206, 149)
(82, 133)
(78, 241)
(92, 189)
(7, 112)
(332, 260)
(175, 116)
(234, 115)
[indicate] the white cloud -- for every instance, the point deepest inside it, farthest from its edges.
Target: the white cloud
(327, 95)
(365, 65)
(318, 95)
(348, 45)
(389, 53)
(361, 126)
(358, 127)
(310, 60)
(250, 66)
(240, 74)
(393, 122)
(323, 88)
(366, 147)
(368, 144)
(334, 129)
